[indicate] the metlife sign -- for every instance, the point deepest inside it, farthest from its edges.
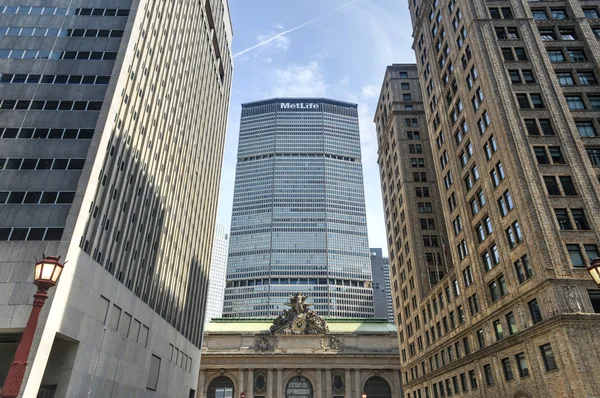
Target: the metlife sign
(305, 106)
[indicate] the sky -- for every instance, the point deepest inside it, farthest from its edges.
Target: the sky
(339, 50)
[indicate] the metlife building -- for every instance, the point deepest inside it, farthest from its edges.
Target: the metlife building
(299, 222)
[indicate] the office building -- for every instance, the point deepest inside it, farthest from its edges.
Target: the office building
(218, 268)
(512, 111)
(112, 123)
(382, 296)
(298, 221)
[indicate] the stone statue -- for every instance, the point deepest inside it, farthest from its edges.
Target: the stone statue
(573, 299)
(299, 319)
(262, 343)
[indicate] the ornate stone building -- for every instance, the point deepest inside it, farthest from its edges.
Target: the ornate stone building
(299, 356)
(511, 101)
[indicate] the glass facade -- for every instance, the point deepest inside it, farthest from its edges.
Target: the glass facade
(299, 221)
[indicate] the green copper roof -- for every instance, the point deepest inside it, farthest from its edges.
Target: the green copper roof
(336, 325)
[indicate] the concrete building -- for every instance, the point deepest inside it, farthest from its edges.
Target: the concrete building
(512, 105)
(357, 355)
(112, 126)
(382, 295)
(218, 269)
(299, 211)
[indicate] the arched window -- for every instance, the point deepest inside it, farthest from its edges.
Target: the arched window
(221, 387)
(376, 387)
(298, 387)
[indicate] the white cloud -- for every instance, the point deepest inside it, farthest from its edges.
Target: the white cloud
(280, 43)
(345, 80)
(297, 80)
(369, 91)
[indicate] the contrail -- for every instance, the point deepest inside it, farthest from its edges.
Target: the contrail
(262, 43)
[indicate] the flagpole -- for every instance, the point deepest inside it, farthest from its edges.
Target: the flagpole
(428, 272)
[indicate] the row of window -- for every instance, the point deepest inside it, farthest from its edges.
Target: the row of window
(52, 32)
(20, 234)
(43, 133)
(58, 54)
(53, 79)
(36, 197)
(578, 102)
(51, 105)
(41, 164)
(71, 11)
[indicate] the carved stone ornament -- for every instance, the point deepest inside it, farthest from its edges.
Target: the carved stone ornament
(262, 343)
(573, 299)
(299, 319)
(336, 343)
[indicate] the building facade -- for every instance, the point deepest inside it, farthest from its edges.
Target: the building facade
(299, 211)
(511, 100)
(382, 295)
(218, 269)
(112, 133)
(356, 356)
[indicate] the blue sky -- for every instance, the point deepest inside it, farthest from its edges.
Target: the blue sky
(342, 56)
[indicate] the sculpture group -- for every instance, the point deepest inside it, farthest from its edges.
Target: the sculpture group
(299, 319)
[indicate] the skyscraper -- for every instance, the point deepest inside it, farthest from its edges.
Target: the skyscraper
(299, 220)
(512, 109)
(112, 121)
(218, 269)
(382, 296)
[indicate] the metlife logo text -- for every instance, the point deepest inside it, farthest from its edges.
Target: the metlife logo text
(299, 105)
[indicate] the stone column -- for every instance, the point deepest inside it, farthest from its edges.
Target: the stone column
(250, 383)
(397, 382)
(319, 384)
(270, 383)
(240, 383)
(328, 383)
(200, 389)
(357, 383)
(279, 383)
(348, 383)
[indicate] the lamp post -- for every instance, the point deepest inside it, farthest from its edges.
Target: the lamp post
(243, 395)
(46, 274)
(594, 270)
(364, 395)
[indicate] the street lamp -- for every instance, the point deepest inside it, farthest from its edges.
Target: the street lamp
(46, 274)
(594, 270)
(364, 395)
(243, 395)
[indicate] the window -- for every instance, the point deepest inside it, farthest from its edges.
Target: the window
(154, 373)
(567, 185)
(481, 338)
(594, 102)
(591, 13)
(548, 356)
(563, 219)
(473, 379)
(556, 56)
(565, 78)
(575, 255)
(498, 330)
(508, 375)
(539, 15)
(594, 155)
(575, 102)
(577, 55)
(568, 34)
(585, 128)
(591, 251)
(579, 219)
(507, 54)
(489, 377)
(587, 77)
(523, 101)
(512, 323)
(559, 13)
(551, 185)
(522, 365)
(534, 310)
(547, 34)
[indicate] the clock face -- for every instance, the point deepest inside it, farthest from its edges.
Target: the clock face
(299, 325)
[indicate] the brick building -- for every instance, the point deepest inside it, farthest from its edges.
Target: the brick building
(512, 106)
